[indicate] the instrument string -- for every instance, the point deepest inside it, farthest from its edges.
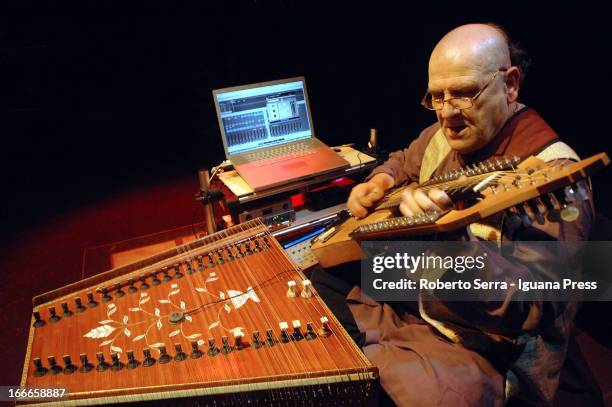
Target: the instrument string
(282, 258)
(291, 352)
(242, 270)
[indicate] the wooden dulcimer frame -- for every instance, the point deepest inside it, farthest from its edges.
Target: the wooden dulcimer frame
(224, 320)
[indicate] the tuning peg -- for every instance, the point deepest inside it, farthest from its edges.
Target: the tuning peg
(65, 310)
(148, 360)
(69, 367)
(102, 364)
(297, 330)
(525, 219)
(196, 353)
(117, 364)
(535, 209)
(513, 221)
(85, 365)
(226, 348)
(284, 336)
(132, 362)
(163, 355)
(54, 368)
(291, 291)
(118, 291)
(310, 333)
(105, 296)
(212, 347)
(306, 289)
(180, 355)
(54, 317)
(40, 369)
(38, 322)
(324, 331)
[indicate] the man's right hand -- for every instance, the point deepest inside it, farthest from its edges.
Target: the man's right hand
(364, 195)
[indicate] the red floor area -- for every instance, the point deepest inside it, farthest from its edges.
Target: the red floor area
(50, 255)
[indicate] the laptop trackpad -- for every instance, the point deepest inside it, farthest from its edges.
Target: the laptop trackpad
(294, 165)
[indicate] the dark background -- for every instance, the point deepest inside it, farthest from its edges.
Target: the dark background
(100, 96)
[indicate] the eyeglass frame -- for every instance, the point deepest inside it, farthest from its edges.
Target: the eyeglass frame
(470, 98)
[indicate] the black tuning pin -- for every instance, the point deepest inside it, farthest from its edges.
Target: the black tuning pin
(212, 348)
(513, 221)
(189, 267)
(196, 353)
(257, 246)
(79, 305)
(548, 202)
(155, 281)
(239, 343)
(53, 367)
(310, 333)
(180, 355)
(166, 276)
(69, 367)
(247, 248)
(102, 364)
(284, 335)
(163, 355)
(525, 219)
(148, 360)
(117, 365)
(132, 288)
(267, 243)
(211, 261)
(220, 259)
(226, 348)
(105, 296)
(143, 282)
(65, 311)
(257, 343)
(132, 362)
(38, 322)
(297, 330)
(239, 253)
(85, 365)
(270, 341)
(535, 209)
(40, 369)
(200, 263)
(177, 271)
(54, 317)
(118, 291)
(91, 303)
(230, 254)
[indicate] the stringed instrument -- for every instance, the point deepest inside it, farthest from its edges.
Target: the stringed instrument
(488, 189)
(226, 320)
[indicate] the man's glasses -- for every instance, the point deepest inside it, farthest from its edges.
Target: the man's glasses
(463, 102)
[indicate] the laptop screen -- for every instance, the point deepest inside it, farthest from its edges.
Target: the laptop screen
(263, 116)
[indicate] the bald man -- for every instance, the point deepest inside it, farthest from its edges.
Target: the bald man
(463, 354)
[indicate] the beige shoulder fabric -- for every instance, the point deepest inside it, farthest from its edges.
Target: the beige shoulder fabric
(437, 149)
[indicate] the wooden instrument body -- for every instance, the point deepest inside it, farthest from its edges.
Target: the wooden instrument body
(532, 178)
(241, 291)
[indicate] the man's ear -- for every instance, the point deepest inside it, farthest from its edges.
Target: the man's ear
(512, 78)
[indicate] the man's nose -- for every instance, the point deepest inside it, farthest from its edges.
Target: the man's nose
(448, 110)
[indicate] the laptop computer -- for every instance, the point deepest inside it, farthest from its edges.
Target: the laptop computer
(268, 135)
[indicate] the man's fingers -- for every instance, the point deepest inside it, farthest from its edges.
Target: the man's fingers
(411, 204)
(424, 202)
(440, 198)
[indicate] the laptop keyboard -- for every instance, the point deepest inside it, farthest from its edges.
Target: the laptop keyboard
(281, 153)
